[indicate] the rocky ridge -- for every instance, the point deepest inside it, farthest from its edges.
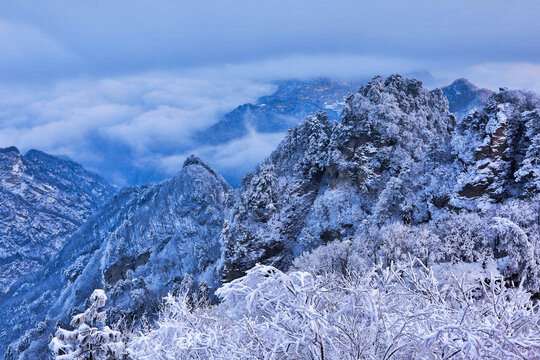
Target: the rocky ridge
(139, 246)
(398, 156)
(44, 199)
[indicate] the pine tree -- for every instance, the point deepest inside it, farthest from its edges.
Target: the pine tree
(92, 339)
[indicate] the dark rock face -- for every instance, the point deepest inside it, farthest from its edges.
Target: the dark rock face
(44, 199)
(496, 146)
(138, 247)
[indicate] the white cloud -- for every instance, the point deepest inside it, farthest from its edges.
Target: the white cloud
(511, 75)
(141, 127)
(100, 121)
(232, 159)
(308, 66)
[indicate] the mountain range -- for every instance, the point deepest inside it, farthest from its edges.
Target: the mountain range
(399, 154)
(292, 101)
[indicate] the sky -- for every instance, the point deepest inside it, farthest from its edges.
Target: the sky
(122, 86)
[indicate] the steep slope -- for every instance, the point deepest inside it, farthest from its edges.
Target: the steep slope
(43, 200)
(398, 155)
(327, 178)
(497, 147)
(142, 243)
(463, 96)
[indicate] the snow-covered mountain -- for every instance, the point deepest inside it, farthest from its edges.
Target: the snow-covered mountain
(139, 246)
(463, 96)
(398, 154)
(287, 106)
(43, 199)
(398, 174)
(327, 178)
(295, 99)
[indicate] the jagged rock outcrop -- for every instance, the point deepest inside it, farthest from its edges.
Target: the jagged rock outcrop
(138, 247)
(43, 200)
(497, 146)
(326, 178)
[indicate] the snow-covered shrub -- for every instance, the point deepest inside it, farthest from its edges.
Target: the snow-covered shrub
(508, 234)
(398, 241)
(405, 311)
(91, 339)
(465, 238)
(338, 257)
(511, 243)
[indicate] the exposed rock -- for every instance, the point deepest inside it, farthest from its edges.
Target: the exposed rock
(492, 144)
(43, 200)
(137, 247)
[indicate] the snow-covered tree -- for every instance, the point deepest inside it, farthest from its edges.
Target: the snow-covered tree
(91, 339)
(405, 311)
(337, 257)
(529, 171)
(464, 238)
(261, 195)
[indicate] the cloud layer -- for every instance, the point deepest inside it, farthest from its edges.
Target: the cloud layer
(122, 86)
(233, 160)
(119, 126)
(139, 128)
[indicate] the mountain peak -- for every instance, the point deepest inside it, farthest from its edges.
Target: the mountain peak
(11, 149)
(462, 82)
(34, 154)
(194, 160)
(464, 96)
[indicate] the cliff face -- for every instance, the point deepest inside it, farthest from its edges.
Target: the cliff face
(326, 178)
(497, 147)
(138, 247)
(43, 200)
(398, 154)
